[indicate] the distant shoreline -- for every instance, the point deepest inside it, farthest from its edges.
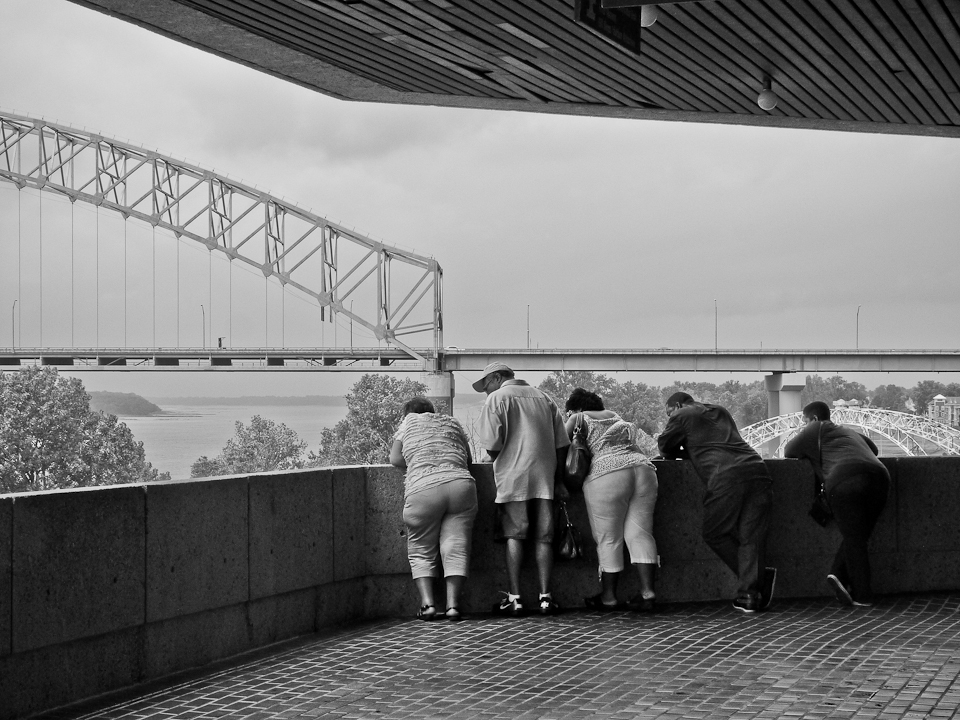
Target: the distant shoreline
(254, 400)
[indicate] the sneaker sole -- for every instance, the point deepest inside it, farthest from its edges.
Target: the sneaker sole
(843, 595)
(745, 610)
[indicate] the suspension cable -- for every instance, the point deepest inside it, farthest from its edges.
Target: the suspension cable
(178, 292)
(40, 261)
(97, 273)
(124, 282)
(19, 263)
(73, 203)
(153, 269)
(210, 290)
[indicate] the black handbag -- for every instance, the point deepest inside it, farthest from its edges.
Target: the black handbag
(578, 457)
(820, 509)
(568, 541)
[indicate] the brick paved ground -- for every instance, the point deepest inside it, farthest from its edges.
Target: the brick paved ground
(803, 659)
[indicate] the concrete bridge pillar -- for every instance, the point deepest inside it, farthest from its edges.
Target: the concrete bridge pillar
(440, 390)
(783, 398)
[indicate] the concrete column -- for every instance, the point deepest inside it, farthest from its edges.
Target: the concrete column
(440, 390)
(773, 384)
(790, 401)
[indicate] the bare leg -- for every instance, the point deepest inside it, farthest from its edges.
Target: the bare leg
(646, 572)
(425, 587)
(608, 587)
(514, 560)
(544, 565)
(454, 584)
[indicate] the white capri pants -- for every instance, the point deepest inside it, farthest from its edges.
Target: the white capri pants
(439, 524)
(620, 507)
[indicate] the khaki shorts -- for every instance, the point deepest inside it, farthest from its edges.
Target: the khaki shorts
(514, 518)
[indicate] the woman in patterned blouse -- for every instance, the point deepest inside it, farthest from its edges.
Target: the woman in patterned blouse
(620, 492)
(440, 501)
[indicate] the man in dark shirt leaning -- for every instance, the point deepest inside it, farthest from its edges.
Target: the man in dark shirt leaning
(736, 507)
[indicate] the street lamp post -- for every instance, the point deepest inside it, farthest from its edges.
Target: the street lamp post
(716, 328)
(13, 325)
(858, 328)
(203, 326)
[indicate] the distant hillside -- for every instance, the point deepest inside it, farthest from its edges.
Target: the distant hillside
(255, 400)
(124, 404)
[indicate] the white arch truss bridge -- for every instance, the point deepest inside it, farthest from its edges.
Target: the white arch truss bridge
(397, 292)
(912, 434)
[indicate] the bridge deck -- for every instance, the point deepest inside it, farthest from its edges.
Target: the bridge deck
(475, 359)
(802, 659)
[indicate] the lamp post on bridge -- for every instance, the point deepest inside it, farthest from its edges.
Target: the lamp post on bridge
(203, 327)
(858, 328)
(13, 325)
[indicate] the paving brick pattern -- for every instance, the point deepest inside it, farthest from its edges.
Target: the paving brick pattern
(802, 659)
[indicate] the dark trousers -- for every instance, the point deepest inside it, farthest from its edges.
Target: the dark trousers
(736, 518)
(857, 500)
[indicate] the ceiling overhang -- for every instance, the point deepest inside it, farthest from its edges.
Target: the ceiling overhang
(880, 66)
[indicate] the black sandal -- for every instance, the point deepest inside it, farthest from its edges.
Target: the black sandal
(595, 603)
(427, 613)
(642, 604)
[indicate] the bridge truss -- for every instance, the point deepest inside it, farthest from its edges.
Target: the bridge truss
(319, 258)
(913, 434)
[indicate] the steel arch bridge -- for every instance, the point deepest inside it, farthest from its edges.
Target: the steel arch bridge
(904, 430)
(319, 258)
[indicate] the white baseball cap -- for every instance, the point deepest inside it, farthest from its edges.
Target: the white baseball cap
(491, 368)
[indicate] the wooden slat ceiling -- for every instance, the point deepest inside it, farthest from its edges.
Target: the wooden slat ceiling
(884, 66)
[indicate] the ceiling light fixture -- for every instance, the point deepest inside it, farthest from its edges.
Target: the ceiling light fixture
(648, 15)
(767, 99)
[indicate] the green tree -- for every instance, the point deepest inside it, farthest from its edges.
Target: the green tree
(365, 435)
(559, 384)
(923, 392)
(50, 438)
(261, 446)
(890, 397)
(640, 404)
(832, 388)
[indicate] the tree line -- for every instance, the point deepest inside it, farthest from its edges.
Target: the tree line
(51, 438)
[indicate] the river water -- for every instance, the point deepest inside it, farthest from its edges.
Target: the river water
(175, 439)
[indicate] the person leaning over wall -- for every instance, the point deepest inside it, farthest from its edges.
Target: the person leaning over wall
(855, 483)
(440, 501)
(739, 494)
(522, 430)
(620, 492)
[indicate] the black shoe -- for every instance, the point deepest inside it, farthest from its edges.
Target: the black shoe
(843, 595)
(548, 605)
(642, 604)
(768, 580)
(745, 605)
(508, 607)
(595, 602)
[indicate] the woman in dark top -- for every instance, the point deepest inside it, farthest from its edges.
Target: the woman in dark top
(856, 485)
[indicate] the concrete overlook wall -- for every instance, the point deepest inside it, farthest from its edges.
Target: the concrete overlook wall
(103, 588)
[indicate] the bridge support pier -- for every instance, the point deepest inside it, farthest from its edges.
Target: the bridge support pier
(440, 390)
(782, 399)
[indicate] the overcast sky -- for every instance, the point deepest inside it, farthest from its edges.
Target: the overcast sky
(616, 233)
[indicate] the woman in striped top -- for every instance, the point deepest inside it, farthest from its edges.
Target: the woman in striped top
(440, 501)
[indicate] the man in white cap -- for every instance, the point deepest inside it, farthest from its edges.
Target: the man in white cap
(522, 430)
